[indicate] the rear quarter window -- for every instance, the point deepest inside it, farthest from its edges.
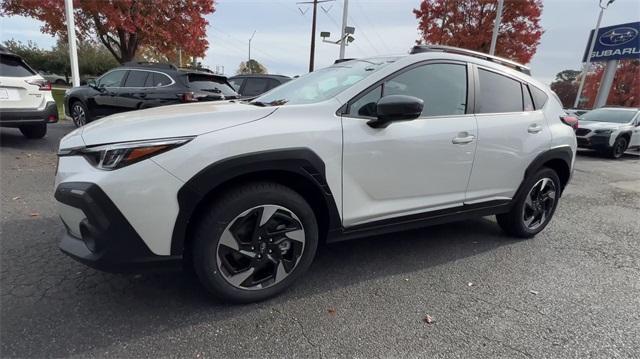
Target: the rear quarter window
(539, 97)
(14, 67)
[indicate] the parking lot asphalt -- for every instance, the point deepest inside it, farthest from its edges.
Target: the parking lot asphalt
(573, 291)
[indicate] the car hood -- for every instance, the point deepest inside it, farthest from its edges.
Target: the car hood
(171, 121)
(595, 125)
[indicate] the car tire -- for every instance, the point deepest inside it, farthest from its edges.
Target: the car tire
(619, 148)
(34, 131)
(534, 206)
(254, 242)
(79, 113)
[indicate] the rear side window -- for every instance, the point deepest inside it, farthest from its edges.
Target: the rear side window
(211, 84)
(255, 86)
(136, 78)
(539, 97)
(156, 79)
(14, 67)
(498, 93)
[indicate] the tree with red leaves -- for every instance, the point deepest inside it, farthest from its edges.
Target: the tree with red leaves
(625, 90)
(469, 24)
(123, 26)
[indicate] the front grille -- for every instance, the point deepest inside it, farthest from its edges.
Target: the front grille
(582, 131)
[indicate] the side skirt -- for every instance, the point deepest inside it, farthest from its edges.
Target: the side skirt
(420, 220)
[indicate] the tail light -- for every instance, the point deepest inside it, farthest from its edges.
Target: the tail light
(43, 85)
(52, 118)
(570, 121)
(188, 97)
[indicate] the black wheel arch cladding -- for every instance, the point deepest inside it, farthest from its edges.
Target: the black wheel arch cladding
(301, 165)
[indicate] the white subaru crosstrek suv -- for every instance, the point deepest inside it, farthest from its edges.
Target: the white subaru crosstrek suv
(610, 130)
(26, 102)
(244, 191)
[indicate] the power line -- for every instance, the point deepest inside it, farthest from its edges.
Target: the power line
(361, 31)
(369, 22)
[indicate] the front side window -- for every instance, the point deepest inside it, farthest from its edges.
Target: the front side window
(112, 79)
(236, 83)
(136, 78)
(255, 86)
(442, 87)
(323, 84)
(498, 93)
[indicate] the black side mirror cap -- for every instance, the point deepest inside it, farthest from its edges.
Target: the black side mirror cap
(396, 108)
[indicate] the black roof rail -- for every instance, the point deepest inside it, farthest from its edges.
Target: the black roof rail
(155, 65)
(341, 60)
(456, 50)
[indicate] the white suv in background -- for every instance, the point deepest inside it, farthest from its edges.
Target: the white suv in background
(610, 130)
(245, 191)
(25, 97)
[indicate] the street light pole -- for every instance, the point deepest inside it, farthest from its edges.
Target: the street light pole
(587, 65)
(343, 43)
(73, 51)
(496, 27)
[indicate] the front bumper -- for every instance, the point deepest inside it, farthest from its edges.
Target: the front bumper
(106, 240)
(596, 141)
(17, 117)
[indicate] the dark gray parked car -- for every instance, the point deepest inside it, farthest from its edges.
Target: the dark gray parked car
(252, 85)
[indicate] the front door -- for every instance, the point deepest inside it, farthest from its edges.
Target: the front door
(414, 166)
(110, 86)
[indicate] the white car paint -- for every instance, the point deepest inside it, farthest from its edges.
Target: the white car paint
(17, 93)
(373, 174)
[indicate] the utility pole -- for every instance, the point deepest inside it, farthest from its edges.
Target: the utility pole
(343, 43)
(73, 51)
(587, 65)
(313, 30)
(496, 27)
(251, 38)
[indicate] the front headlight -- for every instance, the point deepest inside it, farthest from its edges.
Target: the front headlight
(117, 155)
(603, 132)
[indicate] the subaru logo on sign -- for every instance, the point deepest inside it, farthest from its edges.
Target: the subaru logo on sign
(618, 36)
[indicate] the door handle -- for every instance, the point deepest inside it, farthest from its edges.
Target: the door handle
(534, 128)
(462, 139)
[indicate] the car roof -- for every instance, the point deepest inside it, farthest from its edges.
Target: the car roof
(619, 108)
(4, 51)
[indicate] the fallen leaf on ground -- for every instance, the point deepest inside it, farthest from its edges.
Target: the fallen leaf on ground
(534, 292)
(331, 311)
(35, 214)
(15, 198)
(470, 284)
(428, 319)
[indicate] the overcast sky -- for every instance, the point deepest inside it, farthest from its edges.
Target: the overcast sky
(283, 31)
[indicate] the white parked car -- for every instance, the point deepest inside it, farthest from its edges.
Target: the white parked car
(244, 192)
(25, 97)
(610, 130)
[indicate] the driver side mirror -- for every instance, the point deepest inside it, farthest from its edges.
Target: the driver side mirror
(396, 108)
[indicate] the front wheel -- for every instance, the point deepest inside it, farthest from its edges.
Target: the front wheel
(619, 148)
(534, 207)
(254, 242)
(79, 114)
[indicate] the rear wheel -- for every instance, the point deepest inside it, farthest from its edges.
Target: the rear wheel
(534, 208)
(254, 242)
(34, 131)
(619, 148)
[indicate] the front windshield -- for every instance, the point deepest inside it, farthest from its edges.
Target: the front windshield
(609, 115)
(322, 84)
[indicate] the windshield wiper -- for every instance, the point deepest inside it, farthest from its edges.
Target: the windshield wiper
(259, 103)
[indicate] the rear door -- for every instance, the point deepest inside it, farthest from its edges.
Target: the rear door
(133, 94)
(15, 91)
(511, 133)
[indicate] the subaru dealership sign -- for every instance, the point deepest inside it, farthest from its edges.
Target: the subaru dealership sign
(615, 43)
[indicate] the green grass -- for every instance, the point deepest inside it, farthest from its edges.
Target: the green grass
(58, 96)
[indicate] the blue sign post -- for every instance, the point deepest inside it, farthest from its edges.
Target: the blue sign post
(615, 43)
